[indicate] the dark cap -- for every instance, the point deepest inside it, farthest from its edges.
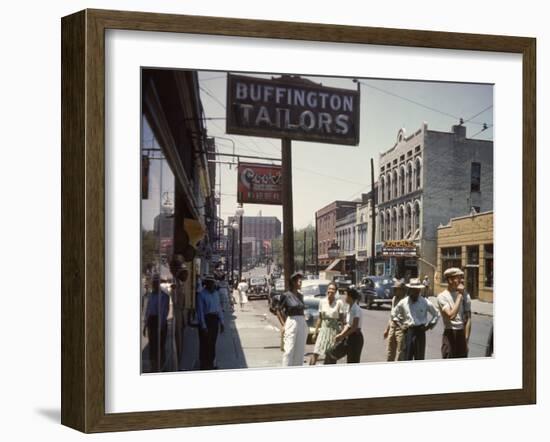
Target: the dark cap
(353, 293)
(208, 277)
(296, 275)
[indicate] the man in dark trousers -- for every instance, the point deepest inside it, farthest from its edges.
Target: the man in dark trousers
(456, 307)
(156, 316)
(411, 314)
(210, 319)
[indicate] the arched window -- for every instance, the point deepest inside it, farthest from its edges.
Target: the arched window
(408, 220)
(401, 222)
(388, 225)
(418, 173)
(382, 188)
(395, 229)
(416, 216)
(382, 228)
(394, 182)
(402, 181)
(388, 187)
(409, 177)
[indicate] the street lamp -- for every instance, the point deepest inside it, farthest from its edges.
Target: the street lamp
(239, 213)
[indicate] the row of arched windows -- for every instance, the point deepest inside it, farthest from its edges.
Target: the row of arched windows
(400, 182)
(399, 223)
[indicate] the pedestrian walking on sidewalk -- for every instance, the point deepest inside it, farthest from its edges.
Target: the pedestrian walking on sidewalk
(155, 327)
(329, 324)
(393, 332)
(456, 306)
(242, 288)
(210, 319)
(291, 316)
(411, 314)
(349, 342)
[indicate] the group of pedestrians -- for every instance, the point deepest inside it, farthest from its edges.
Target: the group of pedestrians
(338, 329)
(409, 321)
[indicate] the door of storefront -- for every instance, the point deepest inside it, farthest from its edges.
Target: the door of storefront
(472, 281)
(472, 270)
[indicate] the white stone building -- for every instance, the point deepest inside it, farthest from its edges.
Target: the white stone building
(425, 179)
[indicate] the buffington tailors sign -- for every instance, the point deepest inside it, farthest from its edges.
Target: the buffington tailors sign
(292, 107)
(259, 184)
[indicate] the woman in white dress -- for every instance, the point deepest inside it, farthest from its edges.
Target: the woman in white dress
(331, 318)
(242, 289)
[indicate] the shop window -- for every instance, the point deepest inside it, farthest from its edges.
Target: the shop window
(472, 253)
(451, 257)
(157, 210)
(488, 265)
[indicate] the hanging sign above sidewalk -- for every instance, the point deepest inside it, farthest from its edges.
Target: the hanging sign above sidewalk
(259, 184)
(292, 107)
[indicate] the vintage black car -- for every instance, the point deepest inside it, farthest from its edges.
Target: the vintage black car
(376, 291)
(257, 288)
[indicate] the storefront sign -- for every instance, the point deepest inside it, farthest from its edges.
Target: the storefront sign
(292, 107)
(259, 184)
(399, 248)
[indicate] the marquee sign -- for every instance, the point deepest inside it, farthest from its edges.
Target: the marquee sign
(292, 107)
(399, 248)
(259, 184)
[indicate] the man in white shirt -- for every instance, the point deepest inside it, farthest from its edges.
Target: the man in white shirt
(349, 342)
(455, 305)
(411, 314)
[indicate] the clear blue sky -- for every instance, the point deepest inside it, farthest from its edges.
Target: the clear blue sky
(323, 173)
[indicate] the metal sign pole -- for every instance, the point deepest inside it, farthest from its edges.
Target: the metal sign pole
(288, 221)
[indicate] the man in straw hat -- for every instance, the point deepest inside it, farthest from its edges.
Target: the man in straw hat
(393, 332)
(411, 314)
(210, 319)
(455, 306)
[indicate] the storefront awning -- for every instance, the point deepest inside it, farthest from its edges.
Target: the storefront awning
(333, 264)
(194, 230)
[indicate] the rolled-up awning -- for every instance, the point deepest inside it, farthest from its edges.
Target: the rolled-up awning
(194, 230)
(333, 264)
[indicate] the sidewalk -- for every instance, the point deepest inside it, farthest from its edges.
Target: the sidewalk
(478, 307)
(250, 340)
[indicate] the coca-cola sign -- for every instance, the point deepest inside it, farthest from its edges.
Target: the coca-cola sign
(259, 184)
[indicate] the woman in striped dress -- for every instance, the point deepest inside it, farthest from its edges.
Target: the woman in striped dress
(331, 317)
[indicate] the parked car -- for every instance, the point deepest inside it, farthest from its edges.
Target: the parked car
(315, 287)
(343, 282)
(311, 314)
(277, 289)
(257, 287)
(376, 290)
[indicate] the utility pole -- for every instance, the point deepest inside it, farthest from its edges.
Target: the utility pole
(373, 217)
(316, 245)
(288, 222)
(312, 248)
(305, 239)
